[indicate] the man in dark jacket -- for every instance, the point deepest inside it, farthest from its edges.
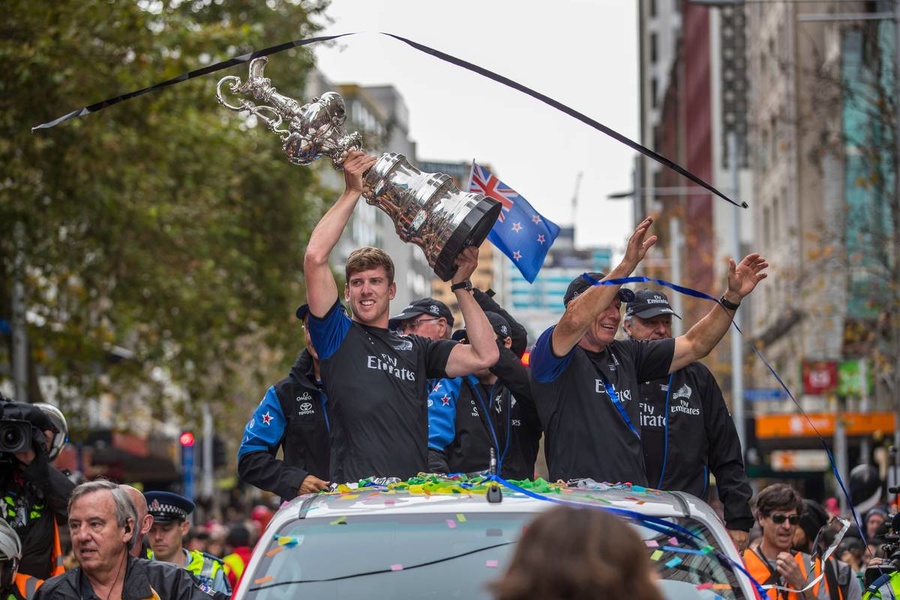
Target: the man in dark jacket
(686, 430)
(102, 522)
(470, 415)
(291, 416)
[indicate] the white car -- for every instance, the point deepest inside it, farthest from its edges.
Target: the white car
(442, 539)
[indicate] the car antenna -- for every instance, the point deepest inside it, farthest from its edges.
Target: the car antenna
(494, 495)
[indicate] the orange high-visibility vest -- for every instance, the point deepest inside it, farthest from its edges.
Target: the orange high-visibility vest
(56, 556)
(27, 585)
(760, 570)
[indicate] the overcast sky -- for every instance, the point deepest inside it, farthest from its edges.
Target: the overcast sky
(582, 53)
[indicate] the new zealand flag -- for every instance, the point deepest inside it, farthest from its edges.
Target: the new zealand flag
(520, 232)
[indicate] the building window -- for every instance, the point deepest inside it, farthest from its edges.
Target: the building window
(652, 8)
(654, 51)
(654, 88)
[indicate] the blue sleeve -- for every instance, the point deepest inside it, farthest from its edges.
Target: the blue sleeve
(442, 412)
(546, 367)
(265, 428)
(329, 332)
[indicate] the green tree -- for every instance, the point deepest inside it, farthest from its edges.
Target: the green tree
(162, 225)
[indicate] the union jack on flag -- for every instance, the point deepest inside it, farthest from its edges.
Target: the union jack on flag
(521, 232)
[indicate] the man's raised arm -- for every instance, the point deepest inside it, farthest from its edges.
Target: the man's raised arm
(583, 311)
(703, 337)
(321, 288)
(481, 352)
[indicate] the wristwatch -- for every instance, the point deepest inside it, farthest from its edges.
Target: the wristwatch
(728, 303)
(462, 285)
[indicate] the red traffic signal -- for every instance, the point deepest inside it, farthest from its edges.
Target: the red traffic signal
(187, 439)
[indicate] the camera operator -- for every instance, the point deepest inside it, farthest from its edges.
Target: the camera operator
(882, 576)
(34, 493)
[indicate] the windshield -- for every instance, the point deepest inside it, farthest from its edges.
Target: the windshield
(442, 555)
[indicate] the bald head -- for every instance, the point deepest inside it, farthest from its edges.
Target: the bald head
(144, 519)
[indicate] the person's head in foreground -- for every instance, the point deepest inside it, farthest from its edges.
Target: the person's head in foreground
(578, 553)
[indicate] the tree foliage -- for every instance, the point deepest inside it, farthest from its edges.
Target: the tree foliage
(162, 225)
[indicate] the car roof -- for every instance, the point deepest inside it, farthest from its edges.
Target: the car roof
(470, 495)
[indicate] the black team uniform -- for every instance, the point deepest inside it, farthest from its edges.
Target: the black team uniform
(687, 432)
(588, 434)
(375, 381)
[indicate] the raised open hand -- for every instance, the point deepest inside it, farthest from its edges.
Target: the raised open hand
(742, 278)
(638, 244)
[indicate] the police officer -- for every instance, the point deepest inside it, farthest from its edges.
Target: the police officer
(885, 587)
(170, 512)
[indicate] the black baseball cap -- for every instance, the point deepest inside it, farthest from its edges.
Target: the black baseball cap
(498, 323)
(648, 304)
(580, 285)
(422, 306)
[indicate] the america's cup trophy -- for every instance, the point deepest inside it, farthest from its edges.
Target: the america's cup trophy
(426, 208)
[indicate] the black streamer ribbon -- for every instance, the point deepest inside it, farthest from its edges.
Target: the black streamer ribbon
(422, 48)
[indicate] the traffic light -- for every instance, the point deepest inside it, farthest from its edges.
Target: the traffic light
(187, 439)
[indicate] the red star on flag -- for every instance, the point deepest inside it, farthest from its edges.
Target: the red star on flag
(517, 227)
(517, 255)
(437, 386)
(267, 418)
(445, 400)
(541, 239)
(536, 219)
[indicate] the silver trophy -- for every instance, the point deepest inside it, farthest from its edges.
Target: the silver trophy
(426, 208)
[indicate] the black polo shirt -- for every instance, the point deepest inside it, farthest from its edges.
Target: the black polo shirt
(589, 406)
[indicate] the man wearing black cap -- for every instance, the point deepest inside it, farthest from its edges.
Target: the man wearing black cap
(170, 525)
(426, 317)
(470, 415)
(686, 430)
(291, 416)
(586, 382)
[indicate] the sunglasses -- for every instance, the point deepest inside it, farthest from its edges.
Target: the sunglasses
(779, 518)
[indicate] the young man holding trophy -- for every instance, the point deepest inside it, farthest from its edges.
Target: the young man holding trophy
(375, 380)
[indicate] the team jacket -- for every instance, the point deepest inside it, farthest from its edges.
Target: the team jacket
(144, 580)
(464, 423)
(698, 436)
(292, 416)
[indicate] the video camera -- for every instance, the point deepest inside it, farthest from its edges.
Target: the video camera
(15, 436)
(21, 425)
(890, 550)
